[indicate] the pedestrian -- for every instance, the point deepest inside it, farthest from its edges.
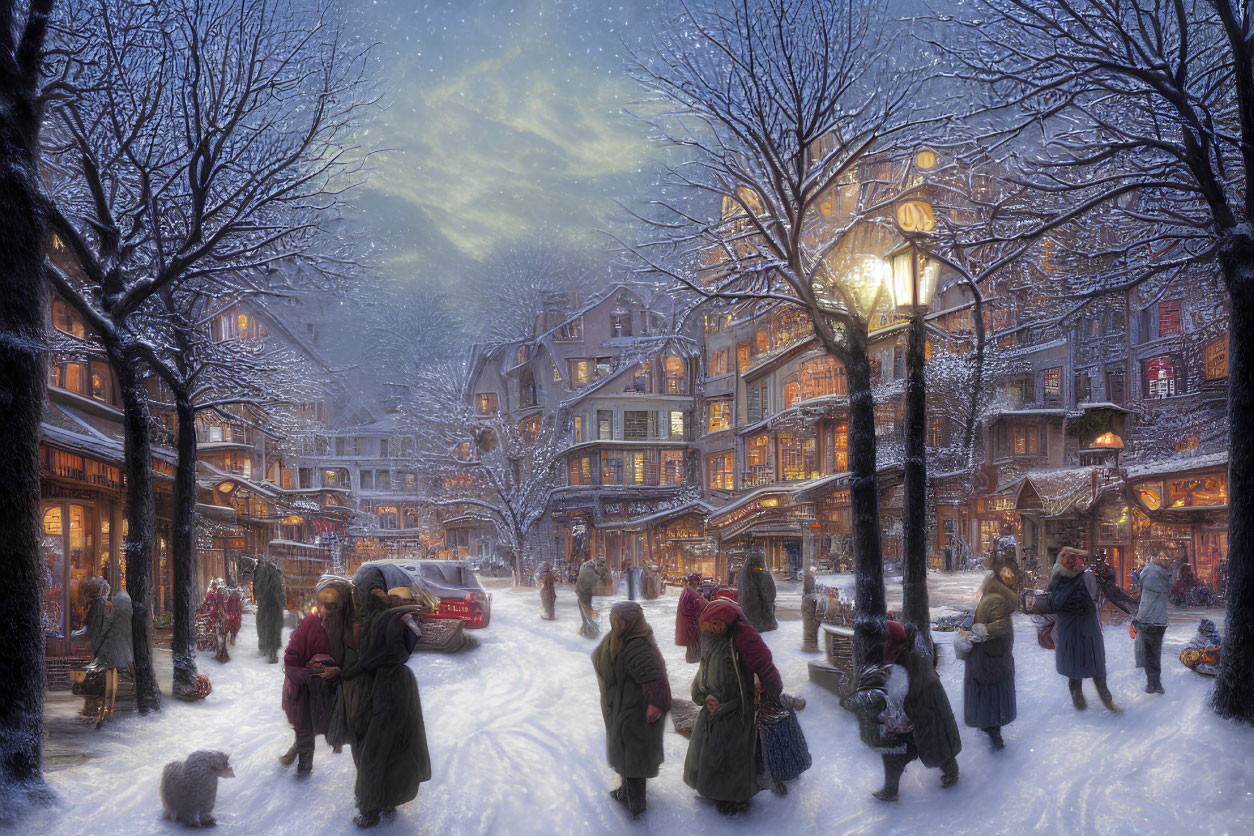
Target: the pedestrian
(1080, 651)
(879, 702)
(585, 587)
(548, 592)
(988, 685)
(936, 736)
(1151, 621)
(635, 696)
(116, 651)
(308, 640)
(389, 738)
(96, 591)
(339, 621)
(811, 604)
(268, 593)
(721, 764)
(757, 593)
(688, 619)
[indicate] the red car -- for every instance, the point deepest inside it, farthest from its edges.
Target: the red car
(452, 583)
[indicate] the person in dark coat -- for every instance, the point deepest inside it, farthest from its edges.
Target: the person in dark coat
(1151, 622)
(309, 640)
(96, 591)
(589, 619)
(629, 574)
(722, 756)
(688, 619)
(327, 691)
(268, 593)
(635, 696)
(878, 701)
(988, 685)
(757, 593)
(548, 592)
(389, 738)
(936, 734)
(116, 651)
(1080, 651)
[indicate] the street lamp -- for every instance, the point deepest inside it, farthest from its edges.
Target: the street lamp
(914, 274)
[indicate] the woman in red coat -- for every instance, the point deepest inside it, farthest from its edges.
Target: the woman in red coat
(307, 641)
(688, 619)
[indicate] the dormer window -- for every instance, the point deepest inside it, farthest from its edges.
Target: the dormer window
(620, 322)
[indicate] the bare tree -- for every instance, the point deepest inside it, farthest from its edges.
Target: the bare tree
(781, 114)
(204, 137)
(1143, 111)
(23, 301)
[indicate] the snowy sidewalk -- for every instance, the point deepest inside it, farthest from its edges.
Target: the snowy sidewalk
(517, 747)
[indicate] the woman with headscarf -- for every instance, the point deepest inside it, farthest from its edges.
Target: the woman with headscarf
(328, 692)
(635, 696)
(1080, 652)
(988, 685)
(722, 758)
(307, 642)
(688, 619)
(548, 592)
(389, 738)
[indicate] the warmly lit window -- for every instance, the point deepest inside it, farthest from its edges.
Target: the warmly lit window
(720, 415)
(635, 468)
(99, 385)
(1021, 440)
(578, 428)
(579, 371)
(990, 530)
(485, 403)
(580, 470)
(605, 424)
(743, 353)
(242, 323)
(1194, 491)
(672, 467)
(67, 320)
(1217, 359)
(677, 425)
(836, 448)
(721, 472)
(530, 428)
(793, 464)
(937, 431)
(676, 376)
(1169, 318)
(761, 342)
(757, 451)
(816, 378)
(1163, 378)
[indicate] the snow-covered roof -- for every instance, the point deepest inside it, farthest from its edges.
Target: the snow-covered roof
(1059, 490)
(1177, 464)
(696, 506)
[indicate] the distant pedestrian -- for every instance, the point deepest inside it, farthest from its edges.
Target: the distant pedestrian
(756, 593)
(585, 586)
(688, 619)
(635, 696)
(988, 685)
(721, 764)
(1151, 621)
(268, 593)
(1080, 650)
(630, 573)
(548, 592)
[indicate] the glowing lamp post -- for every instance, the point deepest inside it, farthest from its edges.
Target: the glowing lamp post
(914, 274)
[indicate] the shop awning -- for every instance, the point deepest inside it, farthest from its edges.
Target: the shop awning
(694, 507)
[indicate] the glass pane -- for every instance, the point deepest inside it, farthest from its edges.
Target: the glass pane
(52, 547)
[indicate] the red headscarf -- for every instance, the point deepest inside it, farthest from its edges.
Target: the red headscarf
(894, 643)
(719, 614)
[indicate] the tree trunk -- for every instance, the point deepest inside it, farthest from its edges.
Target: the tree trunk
(915, 608)
(977, 384)
(870, 625)
(1233, 695)
(139, 520)
(23, 376)
(183, 548)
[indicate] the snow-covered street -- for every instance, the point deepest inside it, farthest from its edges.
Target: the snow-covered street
(517, 747)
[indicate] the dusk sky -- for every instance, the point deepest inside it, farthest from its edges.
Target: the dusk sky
(506, 116)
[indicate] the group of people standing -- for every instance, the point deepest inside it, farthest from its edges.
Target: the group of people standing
(345, 677)
(107, 628)
(736, 678)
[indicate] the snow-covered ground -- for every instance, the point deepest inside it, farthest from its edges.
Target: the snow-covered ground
(517, 747)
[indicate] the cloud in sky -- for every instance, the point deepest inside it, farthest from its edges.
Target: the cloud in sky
(505, 117)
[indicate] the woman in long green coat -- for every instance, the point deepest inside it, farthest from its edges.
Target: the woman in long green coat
(721, 762)
(389, 739)
(635, 696)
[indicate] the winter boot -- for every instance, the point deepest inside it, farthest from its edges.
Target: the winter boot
(1077, 694)
(892, 778)
(1107, 698)
(994, 738)
(304, 764)
(366, 818)
(1155, 686)
(949, 773)
(619, 794)
(274, 657)
(289, 757)
(635, 796)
